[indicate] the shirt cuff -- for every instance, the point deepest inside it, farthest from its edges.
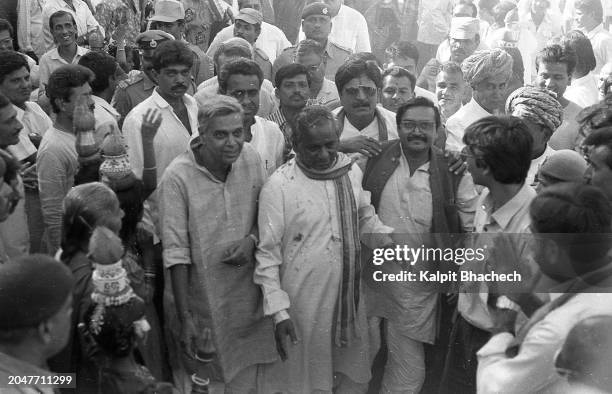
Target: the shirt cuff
(281, 316)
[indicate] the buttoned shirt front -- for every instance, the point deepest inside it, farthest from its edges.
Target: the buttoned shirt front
(171, 140)
(349, 30)
(327, 96)
(269, 142)
(601, 40)
(52, 60)
(34, 120)
(85, 20)
(456, 124)
(511, 218)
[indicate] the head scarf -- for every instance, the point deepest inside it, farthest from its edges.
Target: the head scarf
(485, 64)
(538, 105)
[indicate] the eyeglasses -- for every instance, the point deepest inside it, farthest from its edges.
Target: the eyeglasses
(368, 91)
(411, 125)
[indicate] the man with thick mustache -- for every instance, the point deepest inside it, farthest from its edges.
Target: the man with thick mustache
(363, 124)
(172, 62)
(411, 187)
(211, 190)
(242, 80)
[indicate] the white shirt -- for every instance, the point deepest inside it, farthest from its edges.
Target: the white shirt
(171, 140)
(534, 167)
(349, 30)
(434, 21)
(533, 369)
(583, 91)
(272, 40)
(602, 46)
(30, 26)
(106, 117)
(51, 61)
(456, 124)
(34, 120)
(566, 135)
(269, 142)
(82, 15)
(420, 92)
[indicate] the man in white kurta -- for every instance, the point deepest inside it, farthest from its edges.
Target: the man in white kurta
(300, 263)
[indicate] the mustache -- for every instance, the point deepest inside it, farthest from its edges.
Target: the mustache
(179, 86)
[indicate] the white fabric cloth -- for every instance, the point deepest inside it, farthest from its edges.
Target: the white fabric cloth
(533, 370)
(171, 140)
(30, 26)
(456, 124)
(537, 37)
(14, 233)
(434, 21)
(420, 92)
(601, 40)
(106, 117)
(534, 167)
(349, 30)
(583, 91)
(512, 217)
(299, 267)
(269, 142)
(443, 53)
(34, 120)
(51, 61)
(272, 40)
(85, 20)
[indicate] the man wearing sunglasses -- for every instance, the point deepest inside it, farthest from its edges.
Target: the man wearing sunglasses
(363, 124)
(410, 182)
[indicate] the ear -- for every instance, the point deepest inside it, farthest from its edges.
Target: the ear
(155, 73)
(44, 332)
(276, 93)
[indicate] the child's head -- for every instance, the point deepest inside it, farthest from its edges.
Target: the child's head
(85, 207)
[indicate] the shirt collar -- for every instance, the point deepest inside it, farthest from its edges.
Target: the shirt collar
(20, 112)
(474, 109)
(80, 52)
(506, 212)
(99, 101)
(599, 28)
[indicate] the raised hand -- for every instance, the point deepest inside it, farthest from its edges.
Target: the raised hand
(151, 121)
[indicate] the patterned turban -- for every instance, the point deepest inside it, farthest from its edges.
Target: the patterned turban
(536, 104)
(485, 64)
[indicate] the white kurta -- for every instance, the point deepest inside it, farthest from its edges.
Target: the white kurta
(269, 142)
(299, 266)
(456, 124)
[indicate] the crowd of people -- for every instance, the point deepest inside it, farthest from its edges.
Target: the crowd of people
(193, 192)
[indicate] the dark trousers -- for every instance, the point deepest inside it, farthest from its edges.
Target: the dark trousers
(461, 363)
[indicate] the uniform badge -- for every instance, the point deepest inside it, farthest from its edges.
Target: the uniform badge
(324, 11)
(153, 44)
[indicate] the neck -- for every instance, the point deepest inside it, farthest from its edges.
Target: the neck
(106, 94)
(323, 42)
(315, 88)
(501, 193)
(360, 122)
(415, 159)
(248, 122)
(538, 153)
(448, 111)
(64, 123)
(579, 74)
(170, 99)
(537, 17)
(125, 363)
(217, 168)
(67, 51)
(25, 352)
(485, 107)
(563, 101)
(290, 113)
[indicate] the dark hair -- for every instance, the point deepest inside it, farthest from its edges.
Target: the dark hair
(581, 46)
(505, 143)
(501, 10)
(355, 68)
(308, 46)
(518, 68)
(556, 53)
(402, 49)
(399, 72)
(417, 102)
(62, 80)
(11, 62)
(601, 137)
(130, 201)
(6, 25)
(102, 65)
(574, 208)
(590, 7)
(240, 67)
(311, 116)
(365, 57)
(471, 5)
(4, 101)
(59, 14)
(290, 71)
(170, 53)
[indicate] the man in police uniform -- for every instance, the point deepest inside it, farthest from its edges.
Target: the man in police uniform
(247, 25)
(140, 87)
(317, 25)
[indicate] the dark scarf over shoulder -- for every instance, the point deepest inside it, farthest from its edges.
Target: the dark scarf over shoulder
(443, 185)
